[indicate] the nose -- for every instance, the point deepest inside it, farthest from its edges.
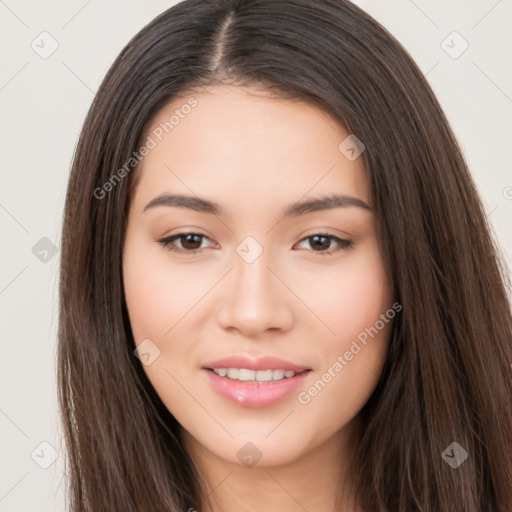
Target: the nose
(253, 301)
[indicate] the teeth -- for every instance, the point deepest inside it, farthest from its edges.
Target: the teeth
(244, 374)
(233, 373)
(278, 374)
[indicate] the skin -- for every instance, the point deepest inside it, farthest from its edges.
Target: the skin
(254, 155)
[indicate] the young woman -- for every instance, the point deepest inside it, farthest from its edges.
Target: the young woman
(278, 287)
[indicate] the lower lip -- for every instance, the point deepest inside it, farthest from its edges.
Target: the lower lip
(255, 394)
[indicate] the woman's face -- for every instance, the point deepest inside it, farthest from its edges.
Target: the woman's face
(269, 269)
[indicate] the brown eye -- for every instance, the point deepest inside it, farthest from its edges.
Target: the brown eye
(188, 242)
(191, 241)
(322, 242)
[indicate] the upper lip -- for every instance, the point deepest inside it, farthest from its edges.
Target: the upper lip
(259, 363)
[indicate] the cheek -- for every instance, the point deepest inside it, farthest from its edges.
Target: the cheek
(157, 293)
(354, 300)
(144, 293)
(157, 298)
(349, 297)
(351, 366)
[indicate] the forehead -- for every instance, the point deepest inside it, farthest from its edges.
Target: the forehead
(244, 144)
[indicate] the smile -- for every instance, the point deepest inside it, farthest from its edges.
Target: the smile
(244, 374)
(244, 391)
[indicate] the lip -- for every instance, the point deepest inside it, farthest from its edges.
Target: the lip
(260, 363)
(254, 394)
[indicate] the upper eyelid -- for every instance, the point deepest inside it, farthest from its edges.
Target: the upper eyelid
(184, 233)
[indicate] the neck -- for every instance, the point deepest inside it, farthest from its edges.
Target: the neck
(316, 480)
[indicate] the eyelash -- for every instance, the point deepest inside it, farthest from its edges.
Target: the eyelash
(343, 244)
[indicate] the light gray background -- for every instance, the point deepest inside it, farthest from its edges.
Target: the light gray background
(44, 102)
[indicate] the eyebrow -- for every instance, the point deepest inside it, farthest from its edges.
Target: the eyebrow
(294, 210)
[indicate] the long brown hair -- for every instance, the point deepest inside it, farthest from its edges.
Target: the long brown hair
(447, 376)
